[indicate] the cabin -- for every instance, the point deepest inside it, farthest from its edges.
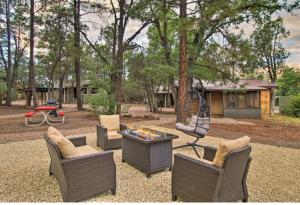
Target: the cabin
(244, 99)
(69, 90)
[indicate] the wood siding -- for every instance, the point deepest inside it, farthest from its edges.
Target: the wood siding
(265, 104)
(216, 103)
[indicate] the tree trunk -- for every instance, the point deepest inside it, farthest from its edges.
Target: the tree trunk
(152, 101)
(31, 81)
(183, 77)
(120, 57)
(61, 91)
(77, 51)
(162, 32)
(119, 82)
(8, 70)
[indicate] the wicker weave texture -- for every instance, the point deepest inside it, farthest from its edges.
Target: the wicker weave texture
(82, 177)
(104, 142)
(196, 181)
(148, 157)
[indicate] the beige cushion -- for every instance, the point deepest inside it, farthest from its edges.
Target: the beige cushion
(111, 122)
(206, 161)
(85, 150)
(54, 135)
(228, 146)
(113, 135)
(67, 148)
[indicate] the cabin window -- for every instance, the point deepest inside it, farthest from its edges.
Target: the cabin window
(84, 90)
(232, 100)
(253, 99)
(94, 90)
(242, 100)
(277, 102)
(249, 99)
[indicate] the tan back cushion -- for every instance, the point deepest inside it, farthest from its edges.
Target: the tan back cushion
(111, 122)
(54, 135)
(228, 146)
(67, 148)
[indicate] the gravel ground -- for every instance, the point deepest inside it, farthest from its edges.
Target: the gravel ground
(274, 175)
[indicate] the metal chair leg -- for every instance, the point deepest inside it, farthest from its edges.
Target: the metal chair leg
(196, 151)
(193, 145)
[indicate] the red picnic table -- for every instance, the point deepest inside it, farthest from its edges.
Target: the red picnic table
(48, 116)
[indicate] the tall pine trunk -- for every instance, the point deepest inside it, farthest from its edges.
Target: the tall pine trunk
(120, 57)
(8, 69)
(61, 91)
(77, 52)
(31, 80)
(183, 66)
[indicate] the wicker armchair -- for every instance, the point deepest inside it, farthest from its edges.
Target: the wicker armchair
(107, 136)
(82, 177)
(200, 181)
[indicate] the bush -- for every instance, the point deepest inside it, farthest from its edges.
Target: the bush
(293, 107)
(100, 101)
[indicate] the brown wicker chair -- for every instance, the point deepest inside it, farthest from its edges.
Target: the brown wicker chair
(82, 177)
(198, 181)
(107, 142)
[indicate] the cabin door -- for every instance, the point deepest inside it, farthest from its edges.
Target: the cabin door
(216, 103)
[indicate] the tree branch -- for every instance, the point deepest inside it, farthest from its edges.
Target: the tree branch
(94, 47)
(2, 56)
(131, 38)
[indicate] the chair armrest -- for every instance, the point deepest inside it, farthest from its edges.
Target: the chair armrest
(78, 140)
(209, 153)
(196, 178)
(101, 131)
(123, 127)
(194, 163)
(81, 169)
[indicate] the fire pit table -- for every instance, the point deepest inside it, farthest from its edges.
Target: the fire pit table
(149, 153)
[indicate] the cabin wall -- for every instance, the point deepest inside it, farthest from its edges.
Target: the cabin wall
(252, 113)
(216, 103)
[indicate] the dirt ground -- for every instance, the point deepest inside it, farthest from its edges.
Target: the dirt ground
(263, 131)
(12, 126)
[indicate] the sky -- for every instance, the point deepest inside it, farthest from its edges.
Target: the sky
(291, 43)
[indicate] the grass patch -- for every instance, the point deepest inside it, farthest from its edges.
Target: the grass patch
(286, 119)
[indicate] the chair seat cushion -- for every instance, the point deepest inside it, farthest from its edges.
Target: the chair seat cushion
(229, 146)
(85, 150)
(185, 128)
(29, 114)
(114, 135)
(111, 122)
(188, 128)
(206, 161)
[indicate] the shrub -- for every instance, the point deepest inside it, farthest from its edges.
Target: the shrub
(293, 107)
(100, 101)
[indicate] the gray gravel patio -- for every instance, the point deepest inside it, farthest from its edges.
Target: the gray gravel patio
(274, 174)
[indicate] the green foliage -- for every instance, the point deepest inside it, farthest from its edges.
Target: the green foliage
(236, 91)
(2, 87)
(293, 108)
(268, 47)
(100, 101)
(289, 82)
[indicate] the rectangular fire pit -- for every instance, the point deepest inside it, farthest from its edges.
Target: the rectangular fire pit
(149, 155)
